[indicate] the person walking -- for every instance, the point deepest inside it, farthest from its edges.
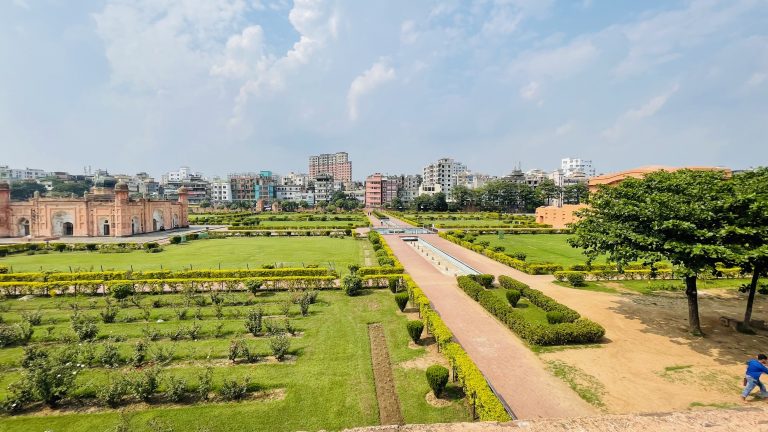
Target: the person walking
(755, 368)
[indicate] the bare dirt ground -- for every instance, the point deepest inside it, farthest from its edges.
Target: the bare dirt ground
(389, 405)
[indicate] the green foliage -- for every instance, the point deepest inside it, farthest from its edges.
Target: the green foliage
(139, 353)
(109, 313)
(176, 388)
(485, 280)
(576, 279)
(234, 390)
(144, 384)
(204, 383)
(437, 378)
(513, 296)
(415, 328)
(51, 377)
(85, 327)
(110, 357)
(253, 321)
(280, 343)
(175, 239)
(352, 285)
(555, 317)
(112, 393)
(121, 291)
(402, 300)
(253, 285)
(32, 317)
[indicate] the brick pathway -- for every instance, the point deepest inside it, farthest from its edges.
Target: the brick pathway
(511, 368)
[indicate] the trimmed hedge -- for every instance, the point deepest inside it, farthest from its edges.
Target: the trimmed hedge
(571, 332)
(437, 378)
(530, 268)
(163, 274)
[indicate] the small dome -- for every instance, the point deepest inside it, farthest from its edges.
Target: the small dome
(121, 186)
(4, 185)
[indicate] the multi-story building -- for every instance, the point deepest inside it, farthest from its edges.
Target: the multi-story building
(381, 189)
(253, 187)
(535, 176)
(198, 189)
(409, 188)
(445, 173)
(221, 190)
(295, 179)
(336, 165)
(571, 165)
(182, 174)
(324, 186)
(472, 180)
(16, 174)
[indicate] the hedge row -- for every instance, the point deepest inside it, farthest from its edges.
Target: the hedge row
(488, 406)
(641, 274)
(388, 259)
(367, 271)
(539, 299)
(95, 287)
(280, 233)
(517, 230)
(530, 268)
(495, 226)
(295, 227)
(165, 274)
(579, 331)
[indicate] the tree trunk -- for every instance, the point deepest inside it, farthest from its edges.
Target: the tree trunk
(693, 305)
(751, 299)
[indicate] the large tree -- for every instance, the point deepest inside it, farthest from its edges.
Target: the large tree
(576, 193)
(547, 190)
(676, 216)
(748, 234)
(24, 190)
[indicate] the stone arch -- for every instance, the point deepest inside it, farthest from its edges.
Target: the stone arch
(105, 228)
(136, 225)
(158, 221)
(23, 227)
(58, 220)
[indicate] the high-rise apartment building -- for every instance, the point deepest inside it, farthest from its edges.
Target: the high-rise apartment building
(571, 166)
(445, 173)
(253, 186)
(381, 189)
(221, 190)
(336, 165)
(16, 174)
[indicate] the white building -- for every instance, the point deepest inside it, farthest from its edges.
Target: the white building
(16, 174)
(473, 180)
(571, 166)
(221, 190)
(445, 173)
(184, 173)
(295, 179)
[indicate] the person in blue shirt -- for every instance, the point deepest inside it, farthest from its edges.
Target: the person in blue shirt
(755, 368)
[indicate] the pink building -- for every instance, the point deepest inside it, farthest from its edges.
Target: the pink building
(337, 165)
(104, 212)
(380, 189)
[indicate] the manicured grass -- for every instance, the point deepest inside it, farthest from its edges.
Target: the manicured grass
(588, 286)
(530, 311)
(312, 224)
(329, 385)
(552, 248)
(228, 253)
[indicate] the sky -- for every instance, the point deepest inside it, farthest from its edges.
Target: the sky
(246, 85)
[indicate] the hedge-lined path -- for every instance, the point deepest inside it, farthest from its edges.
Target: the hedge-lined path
(511, 368)
(384, 380)
(632, 364)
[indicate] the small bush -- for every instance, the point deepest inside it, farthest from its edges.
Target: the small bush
(175, 239)
(91, 247)
(112, 393)
(32, 317)
(110, 357)
(415, 327)
(233, 390)
(109, 313)
(85, 327)
(253, 321)
(555, 317)
(402, 300)
(280, 343)
(352, 285)
(139, 353)
(437, 378)
(59, 247)
(204, 383)
(145, 383)
(253, 285)
(575, 279)
(176, 388)
(513, 296)
(394, 284)
(121, 291)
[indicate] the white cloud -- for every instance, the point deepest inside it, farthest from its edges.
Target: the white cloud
(371, 79)
(564, 128)
(634, 115)
(244, 55)
(408, 32)
(530, 91)
(756, 79)
(557, 63)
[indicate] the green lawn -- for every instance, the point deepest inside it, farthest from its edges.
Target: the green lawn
(552, 248)
(649, 286)
(530, 311)
(313, 224)
(228, 253)
(328, 386)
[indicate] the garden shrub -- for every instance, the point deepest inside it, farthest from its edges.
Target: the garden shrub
(59, 247)
(576, 279)
(176, 388)
(84, 327)
(437, 378)
(415, 327)
(109, 356)
(91, 247)
(139, 353)
(280, 343)
(352, 285)
(52, 378)
(402, 300)
(111, 394)
(204, 383)
(555, 317)
(121, 291)
(233, 390)
(509, 283)
(32, 317)
(109, 313)
(253, 321)
(253, 285)
(144, 384)
(175, 239)
(32, 354)
(513, 296)
(394, 284)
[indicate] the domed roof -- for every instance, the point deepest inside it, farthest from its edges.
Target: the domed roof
(4, 185)
(121, 185)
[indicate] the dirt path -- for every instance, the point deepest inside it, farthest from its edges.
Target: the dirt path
(513, 370)
(386, 394)
(640, 370)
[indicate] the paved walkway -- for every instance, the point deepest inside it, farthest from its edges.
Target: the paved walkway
(511, 368)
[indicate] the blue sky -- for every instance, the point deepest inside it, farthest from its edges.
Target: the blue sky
(241, 85)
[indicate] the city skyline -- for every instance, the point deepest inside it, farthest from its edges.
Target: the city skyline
(232, 86)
